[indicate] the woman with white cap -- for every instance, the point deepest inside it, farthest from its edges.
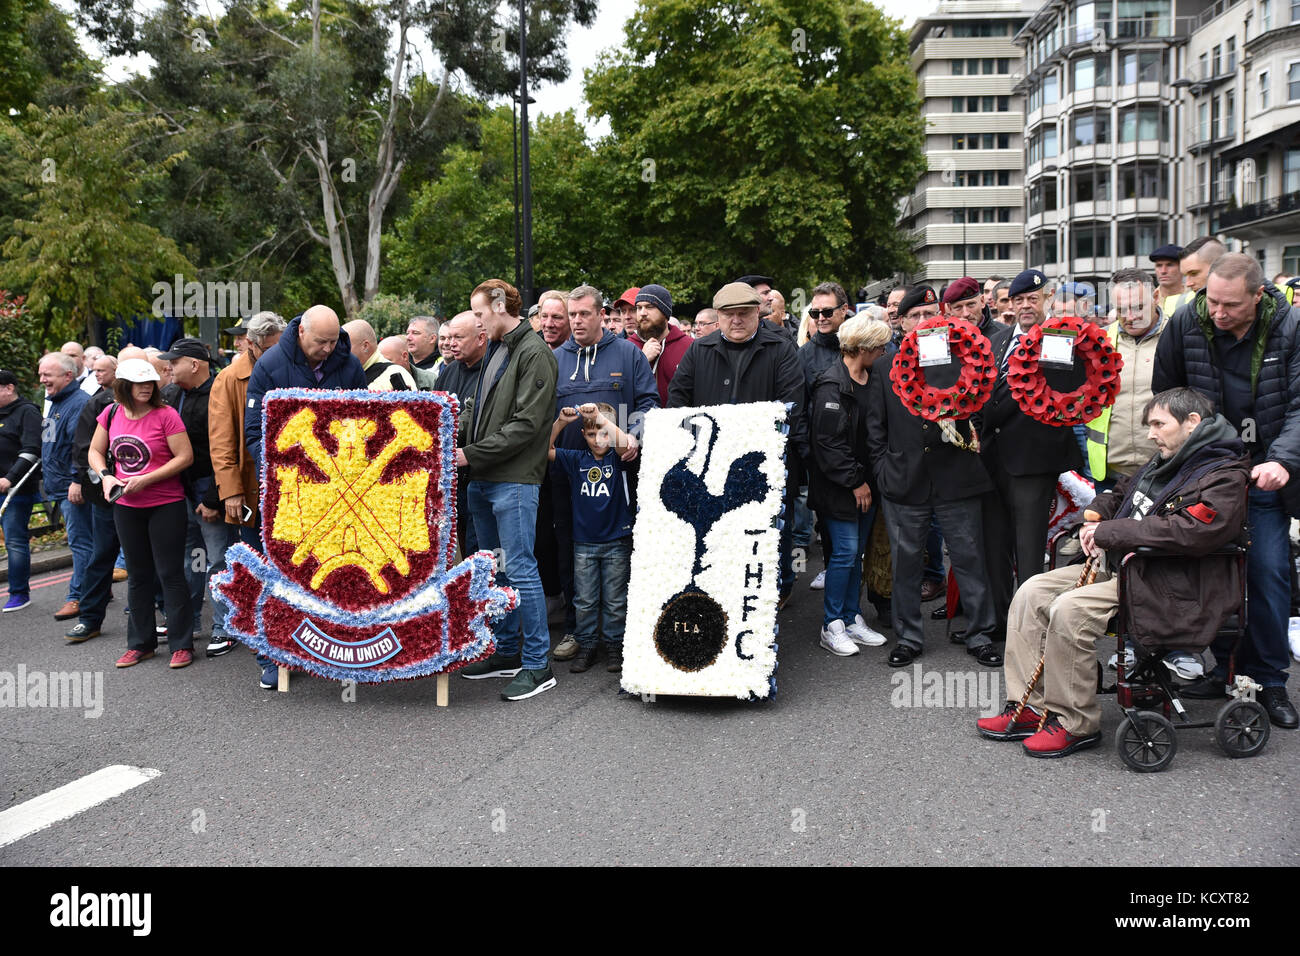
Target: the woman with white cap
(139, 451)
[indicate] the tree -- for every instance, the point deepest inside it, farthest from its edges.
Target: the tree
(85, 253)
(310, 95)
(460, 227)
(772, 136)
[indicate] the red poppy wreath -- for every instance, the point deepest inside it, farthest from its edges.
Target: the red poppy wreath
(968, 345)
(1101, 363)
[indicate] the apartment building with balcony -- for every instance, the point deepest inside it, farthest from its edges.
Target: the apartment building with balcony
(1242, 97)
(966, 214)
(1104, 177)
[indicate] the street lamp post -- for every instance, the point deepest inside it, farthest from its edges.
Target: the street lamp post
(525, 178)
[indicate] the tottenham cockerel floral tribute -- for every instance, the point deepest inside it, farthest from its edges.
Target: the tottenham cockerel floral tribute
(702, 598)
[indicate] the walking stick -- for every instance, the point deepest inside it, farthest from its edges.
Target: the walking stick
(12, 491)
(1087, 575)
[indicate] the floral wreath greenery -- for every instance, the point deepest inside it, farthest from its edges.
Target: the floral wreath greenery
(964, 397)
(1102, 365)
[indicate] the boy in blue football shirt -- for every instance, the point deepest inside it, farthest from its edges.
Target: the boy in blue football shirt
(602, 532)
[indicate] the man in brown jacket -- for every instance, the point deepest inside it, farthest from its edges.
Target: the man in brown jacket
(232, 466)
(1189, 499)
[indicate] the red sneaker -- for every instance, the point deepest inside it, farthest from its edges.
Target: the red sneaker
(1053, 741)
(133, 657)
(1000, 727)
(182, 659)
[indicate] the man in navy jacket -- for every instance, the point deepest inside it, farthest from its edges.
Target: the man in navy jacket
(313, 352)
(594, 366)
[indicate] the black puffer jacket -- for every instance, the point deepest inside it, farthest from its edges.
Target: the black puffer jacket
(1184, 357)
(837, 431)
(820, 352)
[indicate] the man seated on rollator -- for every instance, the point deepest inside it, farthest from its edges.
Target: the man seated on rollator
(1189, 499)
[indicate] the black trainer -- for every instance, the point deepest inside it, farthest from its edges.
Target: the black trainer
(498, 665)
(585, 660)
(614, 659)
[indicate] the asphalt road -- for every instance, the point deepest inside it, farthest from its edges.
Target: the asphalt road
(830, 772)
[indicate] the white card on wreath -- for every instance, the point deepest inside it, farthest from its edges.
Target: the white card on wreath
(701, 617)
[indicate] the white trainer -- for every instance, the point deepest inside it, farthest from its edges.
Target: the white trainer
(818, 583)
(860, 633)
(836, 640)
(1187, 666)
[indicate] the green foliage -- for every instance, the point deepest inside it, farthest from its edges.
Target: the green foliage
(460, 228)
(390, 314)
(19, 349)
(85, 252)
(774, 136)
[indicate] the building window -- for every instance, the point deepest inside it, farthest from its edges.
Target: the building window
(1229, 113)
(1295, 11)
(1144, 180)
(1291, 171)
(1049, 143)
(1143, 18)
(1202, 121)
(1090, 240)
(1265, 14)
(1291, 260)
(1216, 61)
(1042, 249)
(1232, 54)
(1091, 184)
(1293, 82)
(1148, 66)
(1142, 123)
(1141, 237)
(1263, 90)
(1051, 91)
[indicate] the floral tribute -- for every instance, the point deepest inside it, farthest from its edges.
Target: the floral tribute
(358, 532)
(1101, 364)
(979, 370)
(703, 593)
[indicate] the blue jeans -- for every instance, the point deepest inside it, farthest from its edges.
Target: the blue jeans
(205, 555)
(97, 583)
(17, 540)
(600, 574)
(78, 523)
(803, 521)
(505, 520)
(844, 570)
(1263, 653)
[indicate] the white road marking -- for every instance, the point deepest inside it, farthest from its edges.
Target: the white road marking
(67, 801)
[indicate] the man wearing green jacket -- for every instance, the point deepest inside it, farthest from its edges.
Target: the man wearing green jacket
(505, 449)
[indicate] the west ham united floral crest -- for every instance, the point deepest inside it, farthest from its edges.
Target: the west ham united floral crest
(358, 525)
(703, 591)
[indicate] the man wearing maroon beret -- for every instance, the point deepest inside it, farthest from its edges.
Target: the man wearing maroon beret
(963, 300)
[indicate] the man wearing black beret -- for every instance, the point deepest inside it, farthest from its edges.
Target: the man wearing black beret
(1023, 456)
(924, 470)
(1169, 278)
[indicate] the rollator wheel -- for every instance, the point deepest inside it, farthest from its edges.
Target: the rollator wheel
(1242, 728)
(1146, 741)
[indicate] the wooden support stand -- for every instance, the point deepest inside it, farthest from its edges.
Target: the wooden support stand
(444, 684)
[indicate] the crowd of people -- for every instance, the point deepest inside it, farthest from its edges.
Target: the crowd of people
(154, 457)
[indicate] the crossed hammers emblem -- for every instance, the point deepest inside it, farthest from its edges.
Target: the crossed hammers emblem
(352, 518)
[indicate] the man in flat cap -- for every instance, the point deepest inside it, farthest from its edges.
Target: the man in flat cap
(926, 470)
(1023, 456)
(744, 361)
(1169, 278)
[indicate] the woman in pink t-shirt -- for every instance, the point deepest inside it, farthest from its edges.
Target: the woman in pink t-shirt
(149, 449)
